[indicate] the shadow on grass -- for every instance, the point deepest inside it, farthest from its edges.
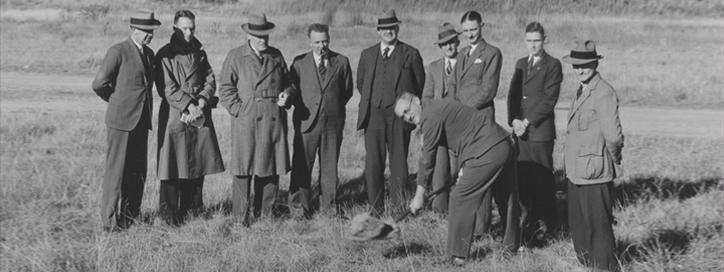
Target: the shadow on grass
(402, 250)
(648, 187)
(354, 191)
(666, 243)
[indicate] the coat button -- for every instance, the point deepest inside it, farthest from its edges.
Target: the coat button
(525, 97)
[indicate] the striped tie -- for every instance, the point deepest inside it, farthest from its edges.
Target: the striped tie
(322, 68)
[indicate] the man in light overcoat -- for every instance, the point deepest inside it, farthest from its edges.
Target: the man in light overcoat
(323, 85)
(254, 89)
(125, 80)
(385, 71)
(592, 160)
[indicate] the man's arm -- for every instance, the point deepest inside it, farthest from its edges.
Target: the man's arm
(514, 95)
(432, 131)
(228, 93)
(551, 90)
(428, 93)
(361, 72)
(418, 71)
(348, 83)
(175, 96)
(105, 81)
(490, 78)
(209, 88)
(607, 112)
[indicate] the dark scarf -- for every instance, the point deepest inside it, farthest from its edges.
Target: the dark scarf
(180, 46)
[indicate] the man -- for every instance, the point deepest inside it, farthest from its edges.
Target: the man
(592, 160)
(533, 94)
(323, 80)
(486, 155)
(124, 80)
(254, 90)
(187, 145)
(440, 84)
(477, 85)
(385, 71)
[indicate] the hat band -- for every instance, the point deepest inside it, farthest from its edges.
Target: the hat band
(385, 21)
(150, 22)
(259, 27)
(446, 34)
(584, 55)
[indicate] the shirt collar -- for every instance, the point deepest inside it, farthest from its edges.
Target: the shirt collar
(392, 47)
(452, 60)
(138, 45)
(317, 58)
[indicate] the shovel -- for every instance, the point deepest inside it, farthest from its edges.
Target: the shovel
(364, 227)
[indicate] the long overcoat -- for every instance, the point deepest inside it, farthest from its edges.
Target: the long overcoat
(248, 88)
(185, 151)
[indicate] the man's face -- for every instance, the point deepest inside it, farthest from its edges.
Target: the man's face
(450, 48)
(408, 111)
(319, 42)
(144, 37)
(471, 31)
(583, 72)
(388, 35)
(534, 42)
(185, 27)
(260, 43)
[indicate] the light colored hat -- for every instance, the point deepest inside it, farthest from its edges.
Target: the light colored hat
(258, 25)
(446, 33)
(584, 52)
(144, 20)
(388, 19)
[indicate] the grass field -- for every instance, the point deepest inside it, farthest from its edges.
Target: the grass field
(669, 208)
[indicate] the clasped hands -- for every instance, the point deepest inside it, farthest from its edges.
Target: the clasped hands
(194, 111)
(520, 127)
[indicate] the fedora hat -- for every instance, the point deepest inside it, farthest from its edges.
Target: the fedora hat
(258, 25)
(446, 33)
(584, 52)
(144, 20)
(388, 19)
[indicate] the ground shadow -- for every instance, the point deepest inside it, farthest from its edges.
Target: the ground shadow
(650, 187)
(403, 250)
(670, 242)
(354, 191)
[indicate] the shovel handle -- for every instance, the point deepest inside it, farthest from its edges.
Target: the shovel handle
(430, 196)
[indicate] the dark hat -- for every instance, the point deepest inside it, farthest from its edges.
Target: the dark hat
(388, 19)
(446, 33)
(584, 52)
(258, 25)
(144, 20)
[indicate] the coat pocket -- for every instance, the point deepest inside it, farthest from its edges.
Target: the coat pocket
(590, 161)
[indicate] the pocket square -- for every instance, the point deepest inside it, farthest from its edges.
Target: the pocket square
(478, 61)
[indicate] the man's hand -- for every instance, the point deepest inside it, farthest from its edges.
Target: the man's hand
(518, 127)
(417, 201)
(194, 112)
(202, 103)
(619, 171)
(282, 101)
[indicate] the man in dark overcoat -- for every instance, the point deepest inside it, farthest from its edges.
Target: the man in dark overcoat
(187, 145)
(385, 71)
(125, 81)
(532, 98)
(323, 81)
(254, 89)
(440, 84)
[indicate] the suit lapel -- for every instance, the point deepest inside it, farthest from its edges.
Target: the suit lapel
(529, 74)
(309, 62)
(584, 96)
(331, 70)
(396, 61)
(137, 57)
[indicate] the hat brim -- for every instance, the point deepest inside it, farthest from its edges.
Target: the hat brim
(446, 39)
(388, 25)
(568, 59)
(269, 29)
(153, 26)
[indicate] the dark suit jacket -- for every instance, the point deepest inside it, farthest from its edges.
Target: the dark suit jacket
(478, 76)
(409, 74)
(125, 83)
(311, 91)
(533, 95)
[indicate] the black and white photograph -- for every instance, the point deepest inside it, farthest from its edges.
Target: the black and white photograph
(362, 135)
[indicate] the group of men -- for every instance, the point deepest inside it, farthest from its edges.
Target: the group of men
(452, 104)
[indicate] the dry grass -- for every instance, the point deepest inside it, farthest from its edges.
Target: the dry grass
(669, 209)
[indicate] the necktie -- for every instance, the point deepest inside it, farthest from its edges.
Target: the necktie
(530, 63)
(386, 53)
(448, 67)
(322, 68)
(579, 92)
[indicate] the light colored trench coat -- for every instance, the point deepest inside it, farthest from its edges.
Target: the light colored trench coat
(185, 151)
(248, 90)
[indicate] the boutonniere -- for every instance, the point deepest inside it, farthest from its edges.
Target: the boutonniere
(478, 61)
